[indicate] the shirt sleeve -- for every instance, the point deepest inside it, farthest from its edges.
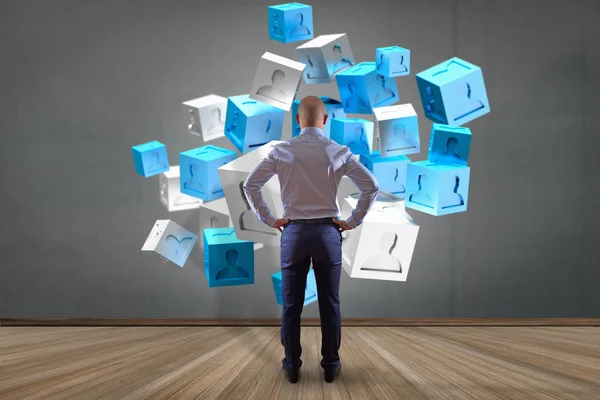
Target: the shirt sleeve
(253, 184)
(368, 186)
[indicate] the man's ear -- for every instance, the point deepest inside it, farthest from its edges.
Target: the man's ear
(298, 118)
(325, 119)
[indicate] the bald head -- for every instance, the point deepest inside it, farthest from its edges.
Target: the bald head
(311, 112)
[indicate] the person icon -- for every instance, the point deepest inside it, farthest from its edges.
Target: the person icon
(341, 61)
(359, 143)
(354, 100)
(193, 126)
(449, 156)
(275, 27)
(468, 105)
(249, 221)
(422, 196)
(274, 91)
(384, 261)
(299, 29)
(455, 199)
(380, 63)
(400, 139)
(194, 184)
(177, 249)
(311, 73)
(217, 123)
(384, 94)
(233, 270)
(431, 106)
(267, 128)
(396, 186)
(399, 67)
(154, 162)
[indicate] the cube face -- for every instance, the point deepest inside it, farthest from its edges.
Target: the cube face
(449, 145)
(198, 174)
(392, 61)
(170, 193)
(150, 158)
(390, 172)
(356, 133)
(383, 245)
(228, 261)
(245, 221)
(397, 130)
(214, 214)
(310, 293)
(206, 116)
(362, 89)
(324, 57)
(170, 241)
(333, 108)
(276, 81)
(250, 124)
(291, 22)
(453, 92)
(437, 189)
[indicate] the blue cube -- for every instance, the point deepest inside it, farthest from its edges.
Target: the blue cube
(150, 158)
(449, 144)
(310, 294)
(250, 124)
(392, 61)
(362, 89)
(198, 171)
(290, 22)
(397, 130)
(356, 133)
(333, 108)
(437, 189)
(228, 261)
(390, 172)
(453, 92)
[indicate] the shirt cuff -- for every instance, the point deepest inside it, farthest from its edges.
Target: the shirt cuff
(353, 223)
(270, 220)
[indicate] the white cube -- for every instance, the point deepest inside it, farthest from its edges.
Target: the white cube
(276, 81)
(205, 116)
(383, 245)
(170, 242)
(214, 214)
(397, 130)
(170, 193)
(246, 222)
(325, 56)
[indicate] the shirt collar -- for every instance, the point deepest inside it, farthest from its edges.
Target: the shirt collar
(312, 130)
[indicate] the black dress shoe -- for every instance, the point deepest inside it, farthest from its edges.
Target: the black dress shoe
(331, 374)
(291, 375)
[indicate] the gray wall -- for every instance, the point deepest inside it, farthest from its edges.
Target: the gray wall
(83, 81)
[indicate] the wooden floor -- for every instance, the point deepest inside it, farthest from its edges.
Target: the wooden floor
(244, 363)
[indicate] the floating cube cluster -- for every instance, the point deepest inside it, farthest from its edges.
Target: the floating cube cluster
(382, 134)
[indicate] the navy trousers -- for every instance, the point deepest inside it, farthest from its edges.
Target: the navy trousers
(300, 244)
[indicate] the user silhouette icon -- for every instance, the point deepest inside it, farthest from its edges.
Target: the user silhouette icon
(380, 63)
(340, 61)
(384, 93)
(359, 145)
(422, 196)
(455, 199)
(399, 67)
(193, 126)
(384, 261)
(431, 106)
(354, 100)
(194, 183)
(467, 105)
(233, 270)
(177, 248)
(249, 221)
(299, 29)
(396, 186)
(312, 72)
(400, 139)
(449, 156)
(154, 162)
(274, 91)
(216, 122)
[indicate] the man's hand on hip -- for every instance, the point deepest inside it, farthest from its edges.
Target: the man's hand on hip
(279, 223)
(342, 225)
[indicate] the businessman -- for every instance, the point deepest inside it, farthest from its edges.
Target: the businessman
(310, 167)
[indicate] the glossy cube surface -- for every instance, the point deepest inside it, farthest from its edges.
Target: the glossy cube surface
(362, 89)
(170, 242)
(324, 57)
(170, 192)
(205, 116)
(198, 171)
(290, 22)
(310, 293)
(228, 261)
(276, 81)
(214, 214)
(392, 61)
(356, 133)
(449, 144)
(390, 172)
(397, 130)
(150, 158)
